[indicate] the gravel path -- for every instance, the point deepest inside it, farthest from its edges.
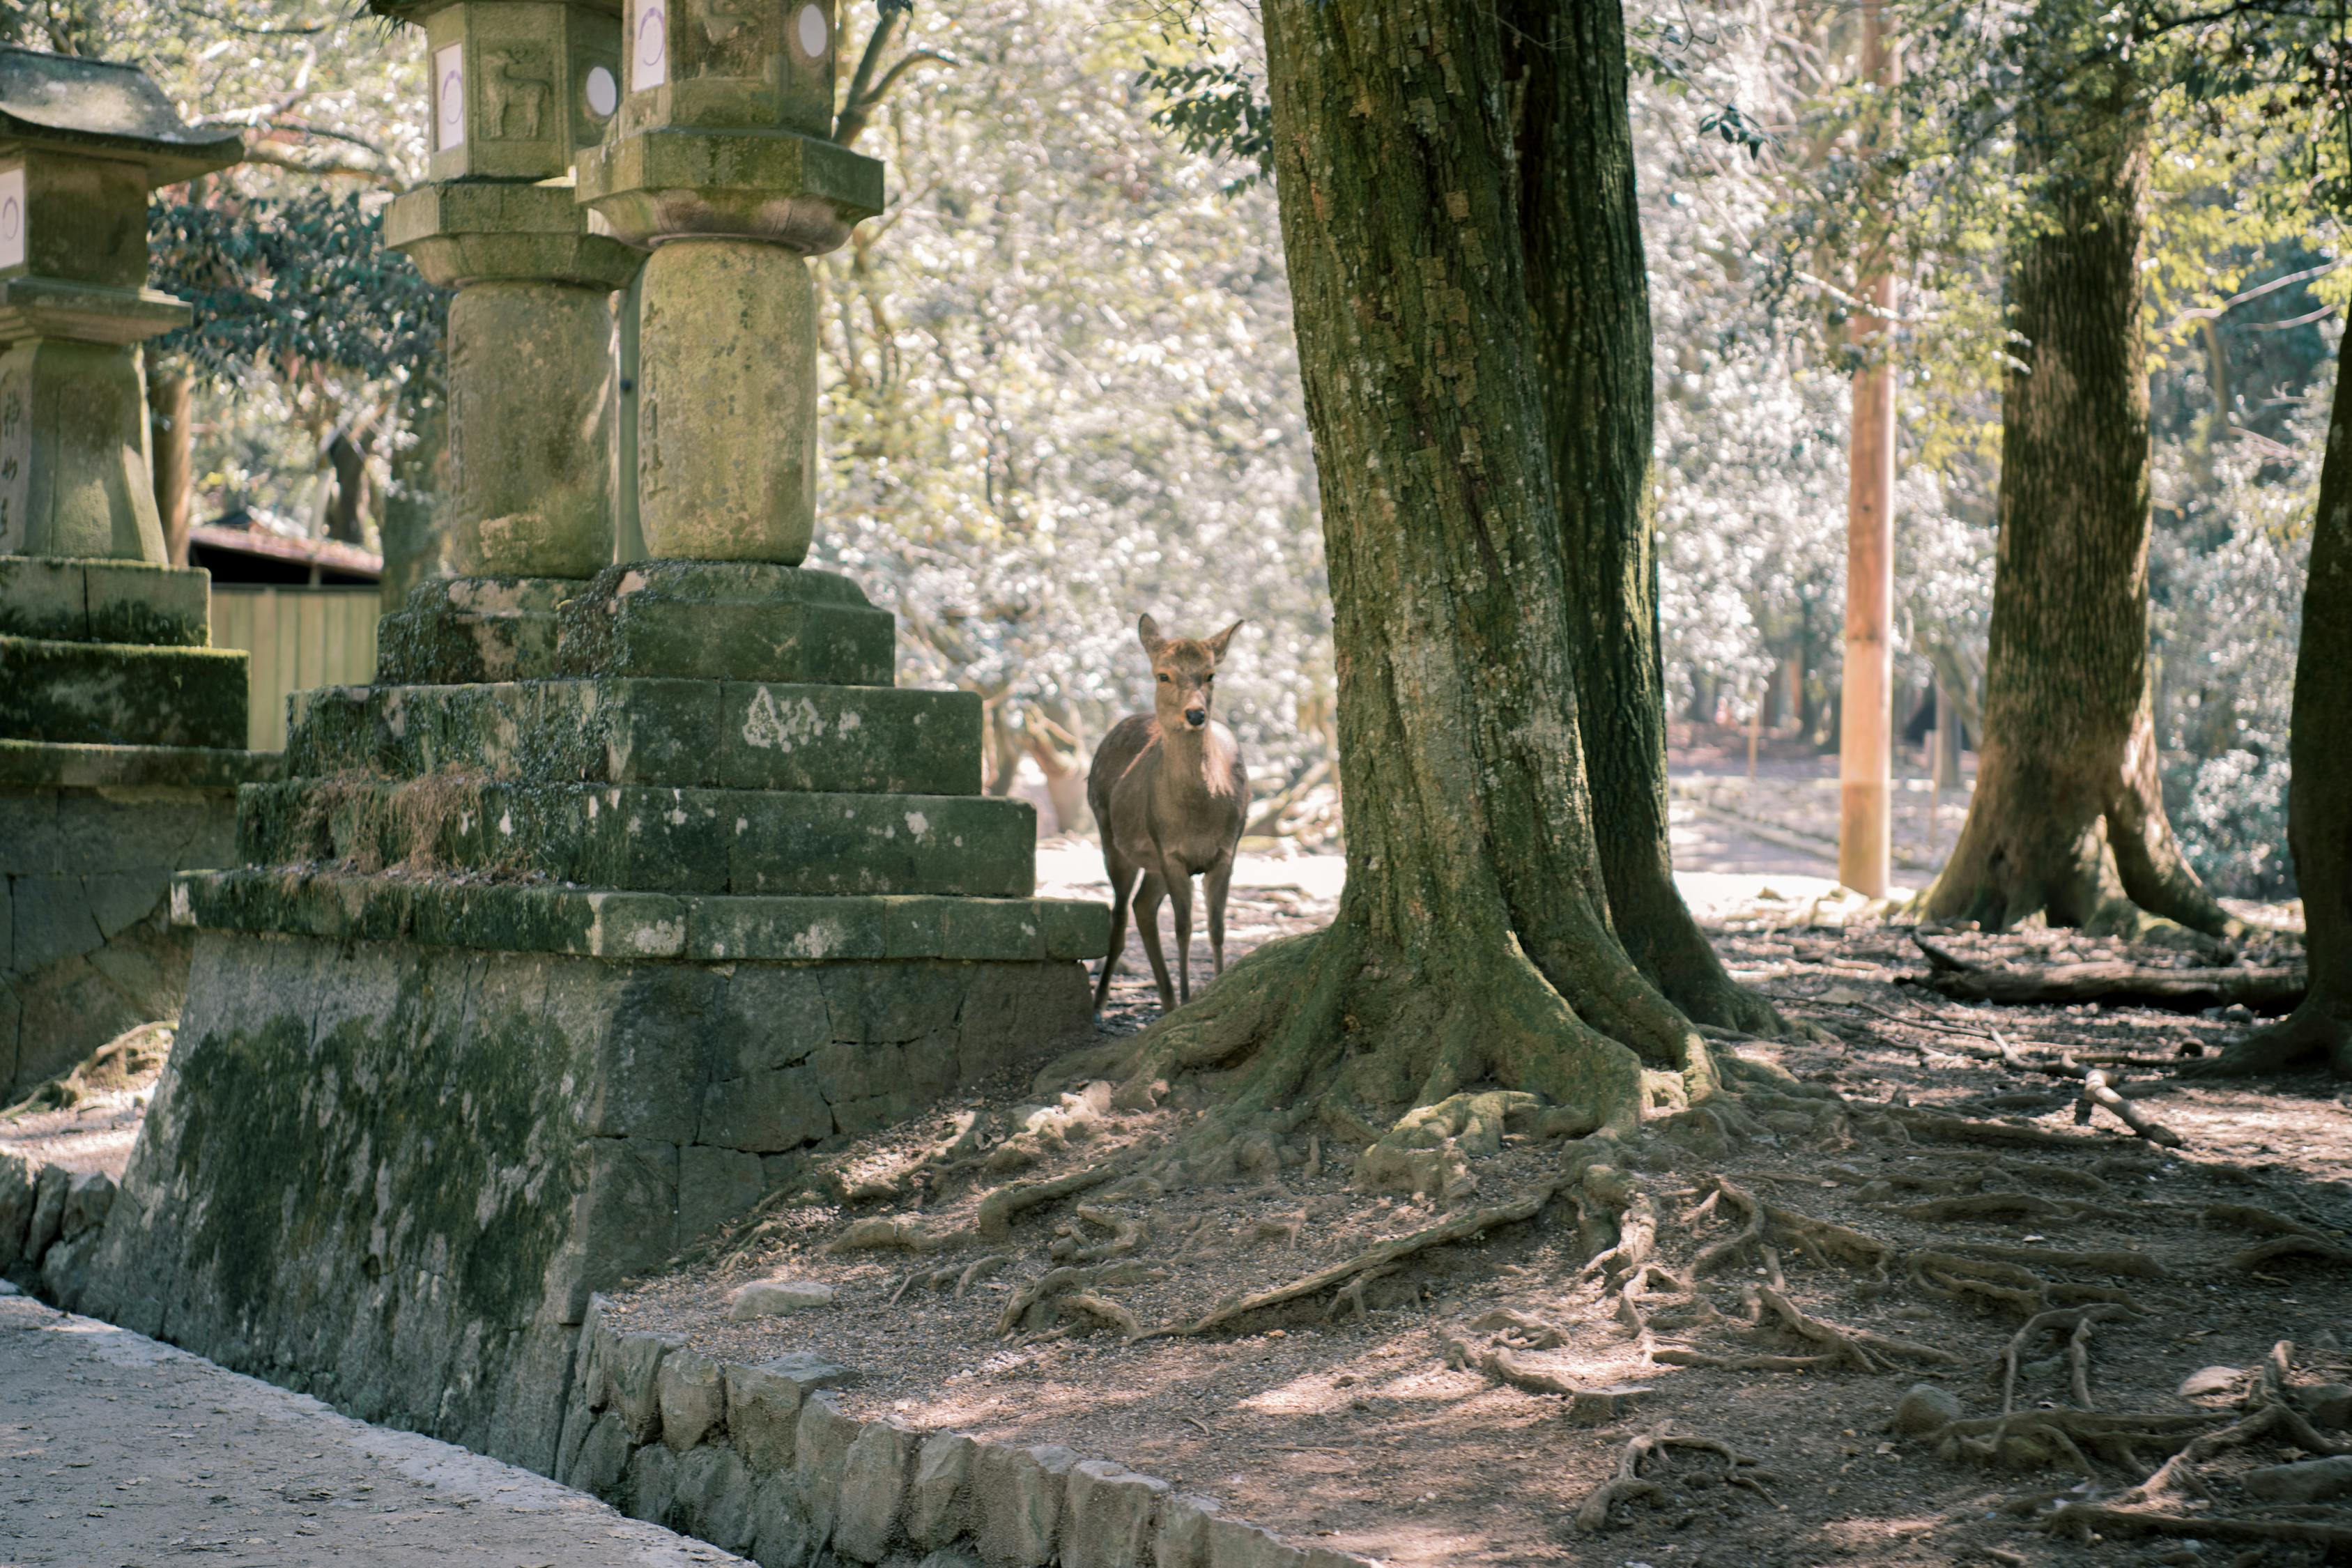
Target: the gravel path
(119, 1452)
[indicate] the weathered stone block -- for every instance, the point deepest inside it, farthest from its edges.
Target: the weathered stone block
(604, 1457)
(17, 1186)
(88, 1195)
(636, 1381)
(776, 1299)
(938, 1498)
(873, 1491)
(1181, 1537)
(714, 1497)
(1233, 1544)
(767, 1111)
(848, 739)
(97, 600)
(1018, 1494)
(122, 694)
(763, 1411)
(782, 1536)
(735, 621)
(714, 1185)
(49, 1211)
(692, 1392)
(820, 1453)
(65, 1269)
(1110, 1517)
(649, 1487)
(470, 630)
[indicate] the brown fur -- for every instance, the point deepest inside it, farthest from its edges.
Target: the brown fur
(1169, 796)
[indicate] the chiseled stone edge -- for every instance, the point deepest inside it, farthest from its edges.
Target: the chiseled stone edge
(53, 764)
(819, 1477)
(719, 928)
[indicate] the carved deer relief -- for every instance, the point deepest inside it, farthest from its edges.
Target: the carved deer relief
(516, 91)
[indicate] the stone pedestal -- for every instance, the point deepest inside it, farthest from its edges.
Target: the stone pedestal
(553, 955)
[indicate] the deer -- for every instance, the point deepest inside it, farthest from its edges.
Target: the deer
(1169, 795)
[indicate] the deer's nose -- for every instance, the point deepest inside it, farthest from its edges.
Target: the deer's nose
(1196, 716)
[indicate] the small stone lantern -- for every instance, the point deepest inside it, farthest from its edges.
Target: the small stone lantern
(721, 162)
(81, 143)
(520, 88)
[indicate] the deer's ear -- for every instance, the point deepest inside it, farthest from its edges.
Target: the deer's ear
(1217, 643)
(1147, 631)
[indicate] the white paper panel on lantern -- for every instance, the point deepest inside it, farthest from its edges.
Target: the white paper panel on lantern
(449, 97)
(648, 44)
(814, 34)
(12, 217)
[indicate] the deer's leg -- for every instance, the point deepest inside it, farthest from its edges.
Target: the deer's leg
(1220, 878)
(1122, 885)
(1147, 926)
(1179, 895)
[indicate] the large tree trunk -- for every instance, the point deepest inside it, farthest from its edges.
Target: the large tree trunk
(2067, 820)
(1473, 947)
(2319, 803)
(1582, 235)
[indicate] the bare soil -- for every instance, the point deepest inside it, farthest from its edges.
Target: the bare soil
(1351, 1416)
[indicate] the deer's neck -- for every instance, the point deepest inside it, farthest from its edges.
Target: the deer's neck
(1190, 764)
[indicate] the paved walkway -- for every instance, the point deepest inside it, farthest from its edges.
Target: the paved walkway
(119, 1452)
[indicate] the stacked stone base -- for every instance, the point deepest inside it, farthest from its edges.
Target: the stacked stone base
(554, 952)
(120, 737)
(390, 1173)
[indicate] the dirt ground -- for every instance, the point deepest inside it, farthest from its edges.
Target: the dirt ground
(1895, 1216)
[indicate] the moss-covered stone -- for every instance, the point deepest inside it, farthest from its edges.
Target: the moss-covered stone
(649, 839)
(539, 918)
(393, 1175)
(66, 600)
(736, 734)
(465, 630)
(121, 694)
(744, 621)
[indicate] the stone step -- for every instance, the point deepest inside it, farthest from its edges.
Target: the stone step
(641, 839)
(440, 911)
(66, 599)
(737, 620)
(722, 734)
(121, 694)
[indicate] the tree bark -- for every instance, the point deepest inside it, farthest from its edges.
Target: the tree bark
(2319, 803)
(2067, 820)
(1581, 234)
(171, 410)
(1473, 947)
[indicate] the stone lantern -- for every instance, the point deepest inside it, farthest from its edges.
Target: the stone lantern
(519, 88)
(721, 162)
(81, 143)
(122, 729)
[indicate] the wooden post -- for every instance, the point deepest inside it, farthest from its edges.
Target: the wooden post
(1865, 726)
(170, 407)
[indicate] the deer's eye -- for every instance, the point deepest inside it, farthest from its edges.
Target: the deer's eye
(1208, 681)
(1164, 678)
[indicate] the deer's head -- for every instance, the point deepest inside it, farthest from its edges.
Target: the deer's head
(1184, 674)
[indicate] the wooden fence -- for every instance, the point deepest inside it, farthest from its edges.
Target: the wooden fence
(299, 638)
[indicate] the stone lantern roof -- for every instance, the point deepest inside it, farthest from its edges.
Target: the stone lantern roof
(65, 104)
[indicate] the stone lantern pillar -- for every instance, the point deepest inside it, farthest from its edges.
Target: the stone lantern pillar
(720, 161)
(122, 729)
(519, 89)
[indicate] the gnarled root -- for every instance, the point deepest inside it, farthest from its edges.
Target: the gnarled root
(1629, 1484)
(2073, 1321)
(2081, 1519)
(2026, 1438)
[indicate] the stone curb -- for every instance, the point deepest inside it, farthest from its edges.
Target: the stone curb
(763, 1461)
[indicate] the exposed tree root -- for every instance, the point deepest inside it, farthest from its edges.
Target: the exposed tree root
(2073, 1321)
(997, 1210)
(2026, 1440)
(1024, 1303)
(1629, 1485)
(1997, 1205)
(1961, 1129)
(1461, 1228)
(2134, 1264)
(1531, 1333)
(2185, 990)
(2314, 1033)
(1865, 1349)
(2081, 1519)
(2296, 1247)
(2098, 1090)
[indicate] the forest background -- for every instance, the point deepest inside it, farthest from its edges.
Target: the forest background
(1061, 385)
